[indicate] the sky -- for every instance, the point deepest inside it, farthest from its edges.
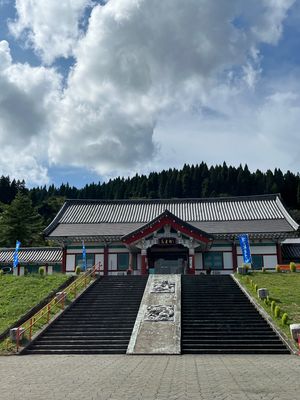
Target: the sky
(90, 90)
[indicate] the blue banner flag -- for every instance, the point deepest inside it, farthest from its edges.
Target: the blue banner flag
(16, 256)
(83, 257)
(244, 243)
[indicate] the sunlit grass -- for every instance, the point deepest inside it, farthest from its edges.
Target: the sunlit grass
(284, 288)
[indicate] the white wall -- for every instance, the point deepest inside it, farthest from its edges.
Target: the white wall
(70, 265)
(198, 261)
(260, 249)
(99, 258)
(112, 261)
(227, 260)
(270, 261)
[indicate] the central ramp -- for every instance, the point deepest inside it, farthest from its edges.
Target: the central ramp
(217, 318)
(157, 327)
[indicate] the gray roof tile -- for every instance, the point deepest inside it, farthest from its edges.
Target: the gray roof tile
(33, 255)
(219, 215)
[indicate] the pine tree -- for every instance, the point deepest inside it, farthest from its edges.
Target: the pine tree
(20, 221)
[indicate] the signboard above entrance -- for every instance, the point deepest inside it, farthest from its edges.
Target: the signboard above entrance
(165, 241)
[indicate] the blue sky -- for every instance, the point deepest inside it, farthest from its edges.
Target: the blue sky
(90, 90)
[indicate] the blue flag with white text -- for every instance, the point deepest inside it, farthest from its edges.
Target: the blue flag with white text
(16, 254)
(83, 257)
(244, 243)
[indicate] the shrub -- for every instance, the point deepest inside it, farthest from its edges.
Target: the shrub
(292, 267)
(277, 312)
(78, 270)
(266, 301)
(284, 319)
(273, 305)
(278, 268)
(42, 271)
(246, 267)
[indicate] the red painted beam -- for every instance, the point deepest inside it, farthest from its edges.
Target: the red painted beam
(279, 253)
(64, 260)
(105, 260)
(234, 257)
(164, 221)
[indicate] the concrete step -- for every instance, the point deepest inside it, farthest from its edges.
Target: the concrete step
(98, 323)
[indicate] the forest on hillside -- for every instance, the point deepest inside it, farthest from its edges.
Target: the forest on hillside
(189, 182)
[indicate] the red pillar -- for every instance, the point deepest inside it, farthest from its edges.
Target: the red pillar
(234, 257)
(105, 260)
(279, 253)
(64, 260)
(144, 262)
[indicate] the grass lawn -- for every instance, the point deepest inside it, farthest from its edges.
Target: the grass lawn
(18, 294)
(284, 288)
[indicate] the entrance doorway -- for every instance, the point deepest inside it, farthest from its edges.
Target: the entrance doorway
(168, 259)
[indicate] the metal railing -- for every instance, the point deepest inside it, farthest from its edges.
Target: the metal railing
(43, 316)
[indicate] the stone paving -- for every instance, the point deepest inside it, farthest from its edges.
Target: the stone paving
(150, 377)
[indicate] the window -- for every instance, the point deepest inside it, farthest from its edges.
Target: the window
(90, 260)
(123, 261)
(213, 260)
(257, 261)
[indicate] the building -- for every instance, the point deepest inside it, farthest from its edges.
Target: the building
(32, 258)
(290, 249)
(172, 236)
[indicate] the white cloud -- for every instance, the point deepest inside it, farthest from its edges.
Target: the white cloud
(140, 60)
(261, 131)
(268, 26)
(28, 97)
(141, 70)
(52, 27)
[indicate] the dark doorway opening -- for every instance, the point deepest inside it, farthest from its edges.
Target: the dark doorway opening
(168, 259)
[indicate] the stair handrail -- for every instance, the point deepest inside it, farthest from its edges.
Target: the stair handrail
(58, 301)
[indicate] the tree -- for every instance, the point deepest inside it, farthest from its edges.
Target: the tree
(49, 208)
(20, 221)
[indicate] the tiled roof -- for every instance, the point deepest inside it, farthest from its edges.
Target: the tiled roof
(291, 251)
(36, 255)
(117, 217)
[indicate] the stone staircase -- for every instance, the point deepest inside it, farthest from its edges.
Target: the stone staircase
(217, 318)
(100, 322)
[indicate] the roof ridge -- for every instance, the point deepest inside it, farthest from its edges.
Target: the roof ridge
(270, 196)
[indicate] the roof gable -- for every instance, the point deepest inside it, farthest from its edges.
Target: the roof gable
(167, 218)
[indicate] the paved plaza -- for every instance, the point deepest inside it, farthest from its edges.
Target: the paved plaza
(150, 377)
